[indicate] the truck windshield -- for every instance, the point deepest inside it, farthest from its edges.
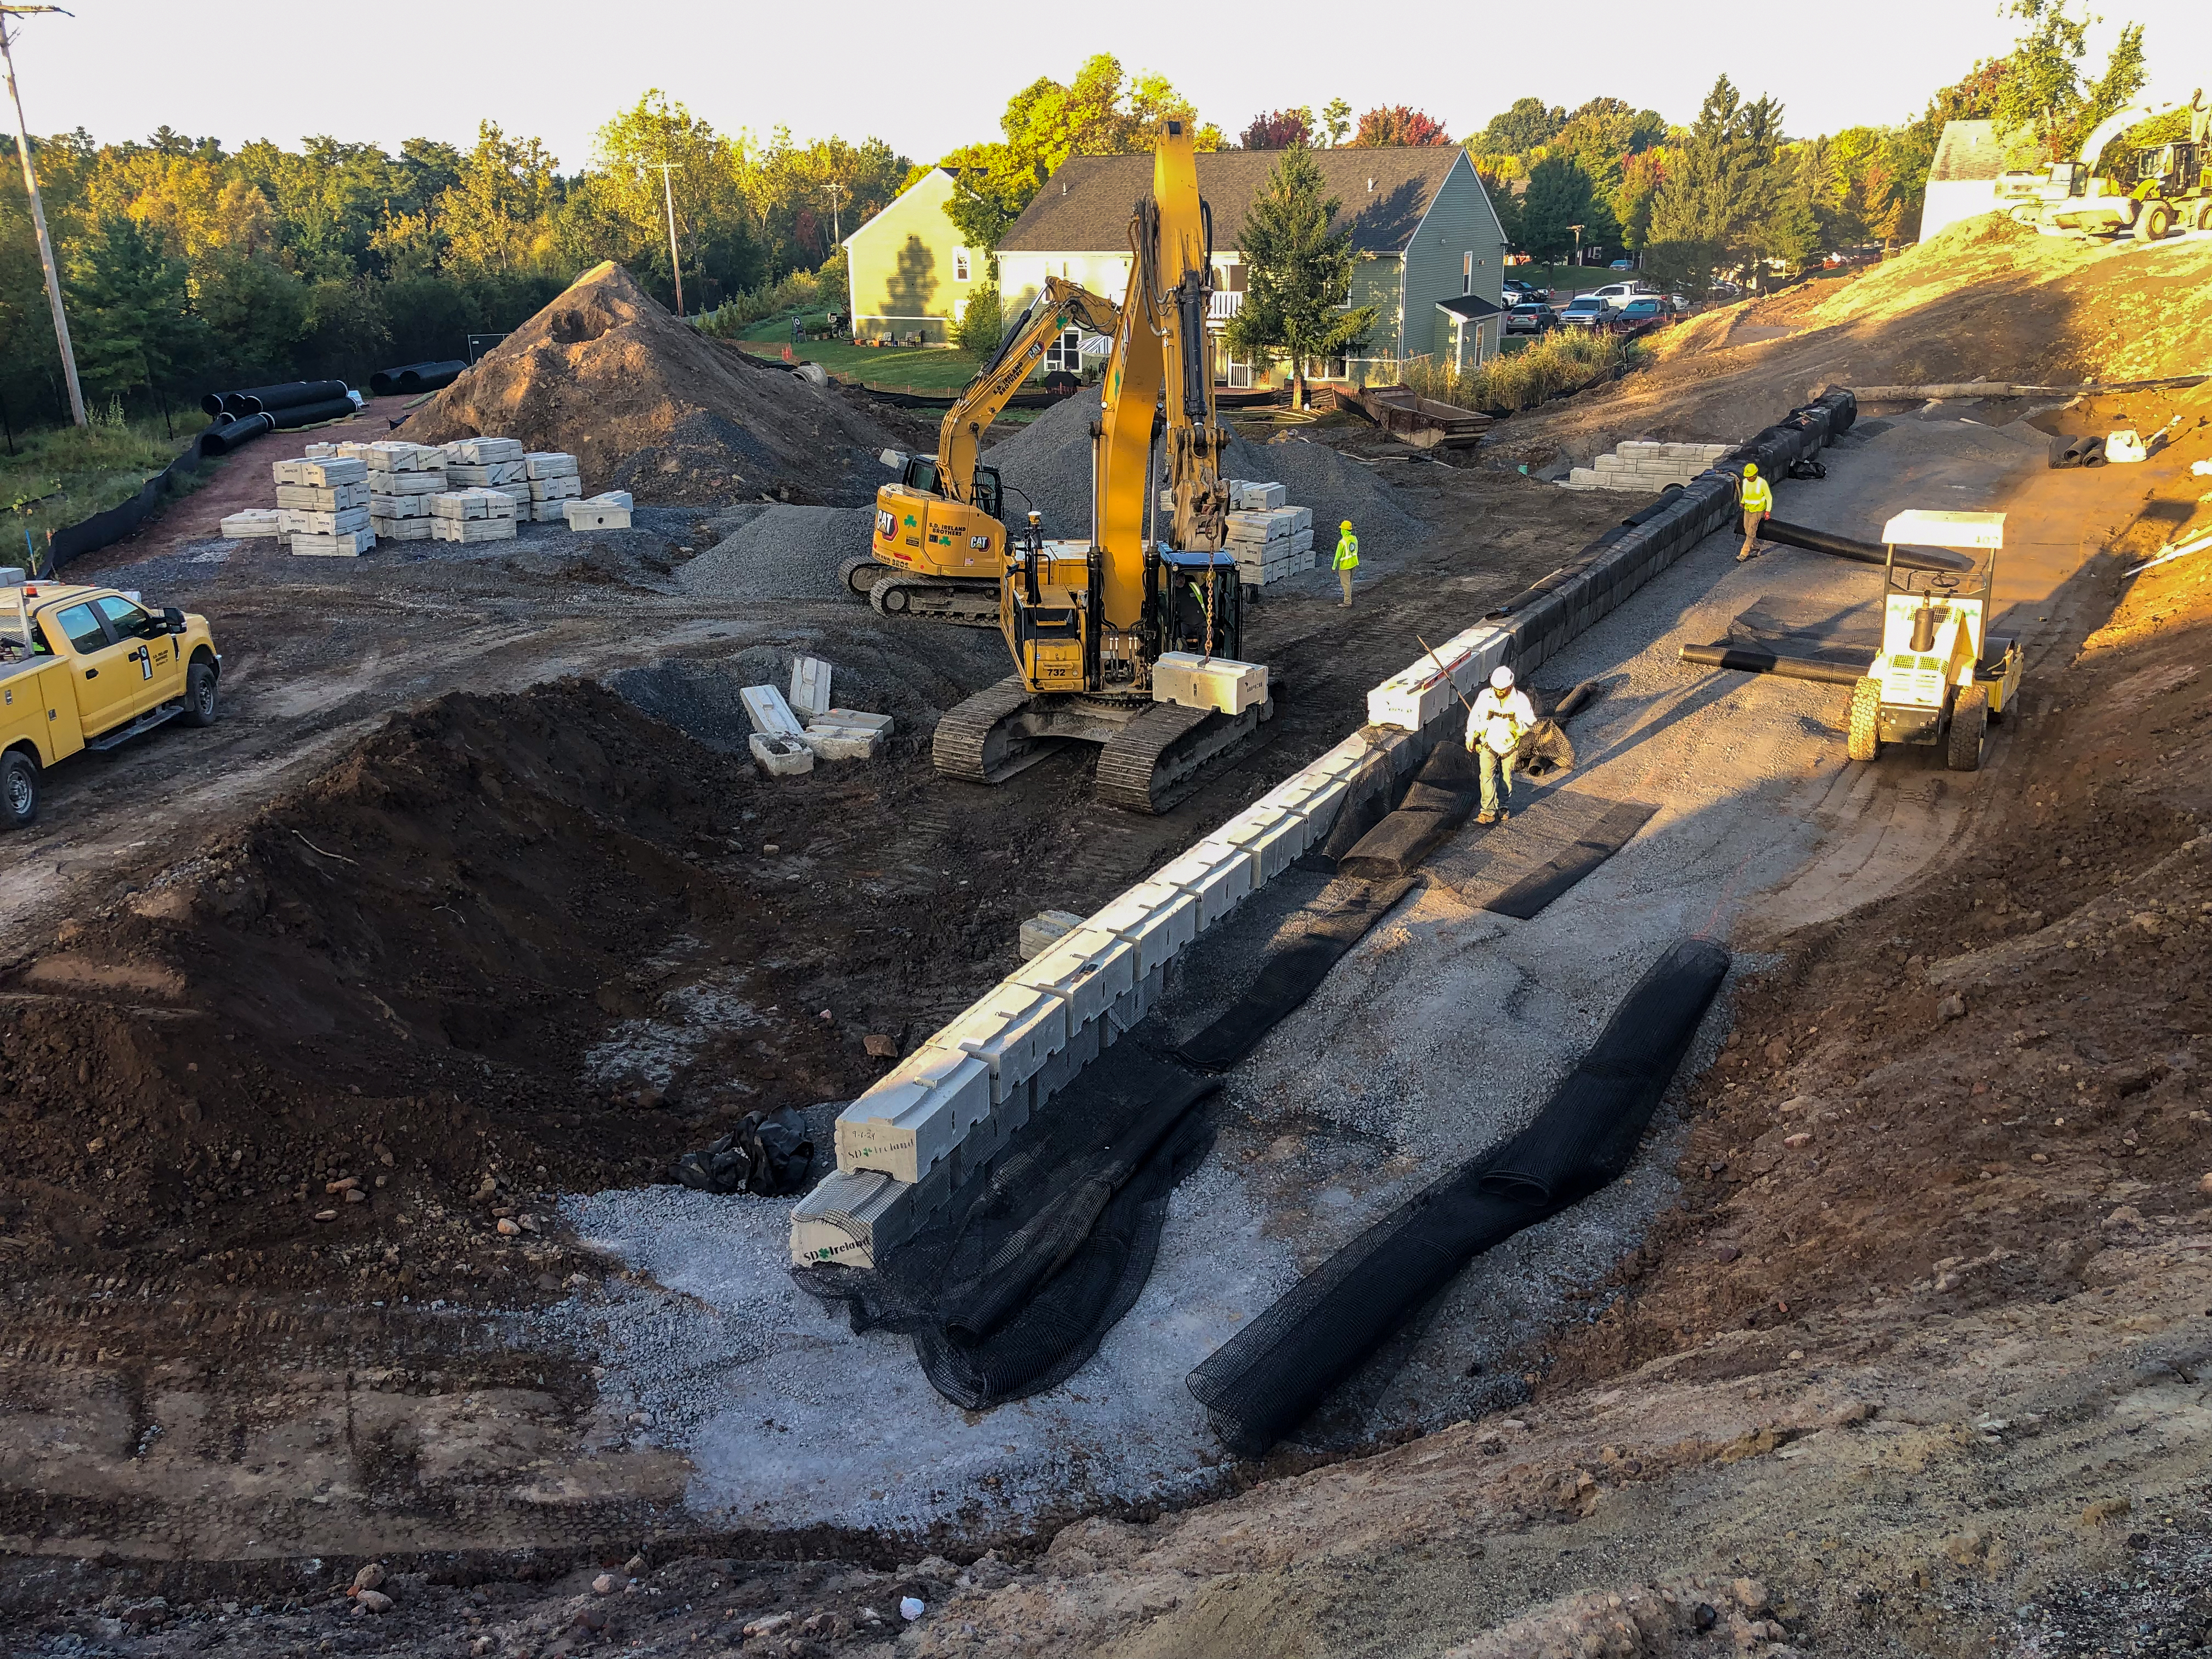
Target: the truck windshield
(128, 621)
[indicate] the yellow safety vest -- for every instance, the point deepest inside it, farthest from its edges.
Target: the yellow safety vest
(1758, 495)
(1347, 552)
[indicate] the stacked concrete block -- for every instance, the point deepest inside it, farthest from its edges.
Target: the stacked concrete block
(253, 522)
(1266, 543)
(482, 452)
(471, 515)
(608, 510)
(338, 544)
(1247, 497)
(322, 506)
(1646, 467)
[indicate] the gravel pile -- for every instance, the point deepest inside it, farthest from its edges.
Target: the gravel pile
(780, 553)
(1049, 462)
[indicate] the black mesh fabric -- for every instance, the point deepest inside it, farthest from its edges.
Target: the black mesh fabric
(1013, 1285)
(1435, 805)
(1305, 948)
(1528, 897)
(1266, 1378)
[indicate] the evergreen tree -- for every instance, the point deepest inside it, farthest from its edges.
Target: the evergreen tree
(129, 310)
(1300, 273)
(1561, 197)
(1721, 189)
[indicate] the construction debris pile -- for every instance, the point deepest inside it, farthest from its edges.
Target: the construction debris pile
(647, 403)
(341, 499)
(1645, 466)
(791, 733)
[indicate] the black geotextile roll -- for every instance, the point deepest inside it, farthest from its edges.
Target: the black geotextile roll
(1040, 1256)
(1265, 1379)
(1435, 805)
(1306, 946)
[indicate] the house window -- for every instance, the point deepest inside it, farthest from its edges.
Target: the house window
(959, 264)
(1467, 272)
(1065, 352)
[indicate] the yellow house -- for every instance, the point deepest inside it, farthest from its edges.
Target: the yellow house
(907, 270)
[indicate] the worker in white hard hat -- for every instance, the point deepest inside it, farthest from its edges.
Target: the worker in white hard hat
(1495, 722)
(1346, 561)
(1758, 499)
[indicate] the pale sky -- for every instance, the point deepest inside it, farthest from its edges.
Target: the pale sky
(928, 78)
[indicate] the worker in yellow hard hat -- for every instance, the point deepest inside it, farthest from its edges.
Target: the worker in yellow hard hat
(1347, 561)
(1758, 498)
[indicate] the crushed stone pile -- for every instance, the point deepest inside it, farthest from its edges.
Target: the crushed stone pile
(648, 404)
(780, 553)
(1049, 462)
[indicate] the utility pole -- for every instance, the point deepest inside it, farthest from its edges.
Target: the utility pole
(675, 260)
(836, 225)
(38, 212)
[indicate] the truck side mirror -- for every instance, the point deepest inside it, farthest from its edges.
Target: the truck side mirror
(173, 620)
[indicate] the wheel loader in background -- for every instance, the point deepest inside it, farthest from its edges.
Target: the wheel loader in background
(940, 537)
(1131, 639)
(2169, 191)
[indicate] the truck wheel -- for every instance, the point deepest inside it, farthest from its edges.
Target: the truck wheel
(200, 694)
(1970, 724)
(2154, 221)
(1864, 742)
(2201, 219)
(19, 789)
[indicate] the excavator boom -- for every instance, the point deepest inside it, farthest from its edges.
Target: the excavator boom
(960, 439)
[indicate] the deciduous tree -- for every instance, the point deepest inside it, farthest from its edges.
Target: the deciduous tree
(1395, 123)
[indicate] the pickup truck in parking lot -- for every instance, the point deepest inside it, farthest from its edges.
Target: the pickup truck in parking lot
(84, 668)
(1586, 311)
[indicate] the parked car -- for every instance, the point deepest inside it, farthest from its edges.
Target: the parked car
(1519, 293)
(1585, 311)
(1534, 317)
(1622, 265)
(1682, 306)
(1618, 295)
(1643, 309)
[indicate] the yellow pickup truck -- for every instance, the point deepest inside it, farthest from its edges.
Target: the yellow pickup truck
(89, 668)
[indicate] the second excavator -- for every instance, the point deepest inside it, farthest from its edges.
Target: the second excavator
(1133, 640)
(940, 534)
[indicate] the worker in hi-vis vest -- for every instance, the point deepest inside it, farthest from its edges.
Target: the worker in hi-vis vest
(1757, 502)
(1346, 561)
(1495, 721)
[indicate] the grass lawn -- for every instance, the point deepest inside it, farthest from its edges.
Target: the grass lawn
(933, 368)
(62, 474)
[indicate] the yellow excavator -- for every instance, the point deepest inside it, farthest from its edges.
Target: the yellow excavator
(2171, 189)
(1132, 641)
(940, 538)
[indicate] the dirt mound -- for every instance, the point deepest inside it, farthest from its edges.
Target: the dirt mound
(443, 956)
(649, 404)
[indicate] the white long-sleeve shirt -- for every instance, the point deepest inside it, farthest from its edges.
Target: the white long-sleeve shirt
(1498, 721)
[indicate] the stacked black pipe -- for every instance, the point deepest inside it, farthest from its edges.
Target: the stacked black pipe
(411, 378)
(278, 400)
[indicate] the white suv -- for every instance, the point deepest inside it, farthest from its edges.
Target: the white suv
(1617, 295)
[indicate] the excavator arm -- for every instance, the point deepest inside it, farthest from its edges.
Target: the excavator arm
(960, 440)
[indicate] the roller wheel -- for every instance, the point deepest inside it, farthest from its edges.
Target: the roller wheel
(1864, 742)
(19, 789)
(1970, 724)
(2154, 221)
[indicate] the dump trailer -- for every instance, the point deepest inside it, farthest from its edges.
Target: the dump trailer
(940, 544)
(1133, 640)
(84, 668)
(1940, 677)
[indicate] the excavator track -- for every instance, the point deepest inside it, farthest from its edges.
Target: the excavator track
(860, 574)
(962, 604)
(980, 739)
(1161, 755)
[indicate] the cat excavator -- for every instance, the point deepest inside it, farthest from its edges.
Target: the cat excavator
(2171, 188)
(940, 536)
(1132, 639)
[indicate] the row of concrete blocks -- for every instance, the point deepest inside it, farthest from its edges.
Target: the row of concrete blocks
(947, 1109)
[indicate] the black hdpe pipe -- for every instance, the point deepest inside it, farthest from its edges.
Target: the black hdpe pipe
(292, 395)
(1751, 659)
(312, 414)
(1843, 547)
(414, 377)
(1264, 1380)
(226, 432)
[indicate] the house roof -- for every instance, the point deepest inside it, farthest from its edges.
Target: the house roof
(1085, 207)
(1971, 151)
(949, 172)
(1469, 305)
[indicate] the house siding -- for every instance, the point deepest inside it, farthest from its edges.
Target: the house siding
(1460, 221)
(903, 266)
(1021, 276)
(1378, 280)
